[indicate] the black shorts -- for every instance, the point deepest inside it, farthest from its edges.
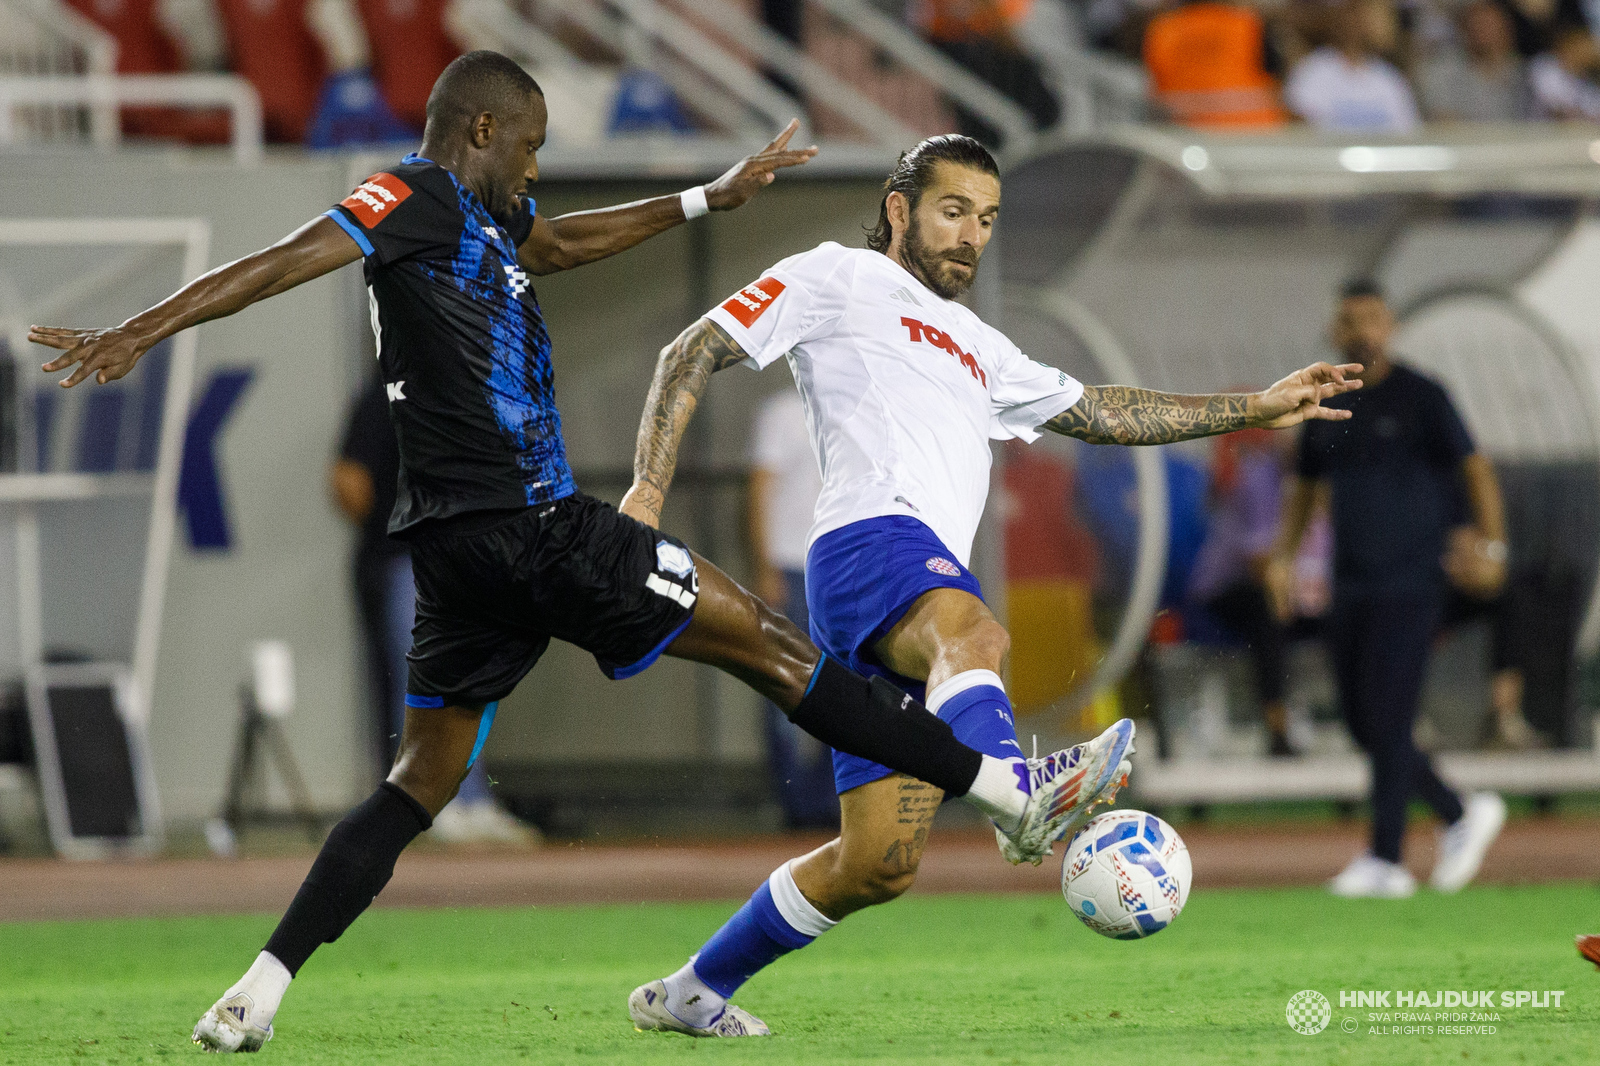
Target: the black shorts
(492, 591)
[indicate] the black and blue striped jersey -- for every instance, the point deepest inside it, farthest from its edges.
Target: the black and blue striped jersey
(463, 347)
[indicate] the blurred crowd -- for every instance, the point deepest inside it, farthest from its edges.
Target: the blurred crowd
(335, 72)
(1378, 66)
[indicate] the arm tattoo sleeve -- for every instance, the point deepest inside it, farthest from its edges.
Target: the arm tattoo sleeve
(683, 370)
(1118, 414)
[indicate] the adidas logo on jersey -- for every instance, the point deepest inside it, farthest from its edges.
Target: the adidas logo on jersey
(943, 341)
(904, 296)
(517, 279)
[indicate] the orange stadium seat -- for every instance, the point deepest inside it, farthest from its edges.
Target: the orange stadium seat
(1207, 67)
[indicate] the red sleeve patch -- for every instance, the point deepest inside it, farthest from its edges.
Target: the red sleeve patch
(752, 301)
(376, 198)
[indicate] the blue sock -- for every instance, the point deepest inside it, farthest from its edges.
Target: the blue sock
(751, 940)
(974, 703)
(777, 920)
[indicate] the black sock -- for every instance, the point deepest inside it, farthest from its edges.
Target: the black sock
(352, 868)
(878, 721)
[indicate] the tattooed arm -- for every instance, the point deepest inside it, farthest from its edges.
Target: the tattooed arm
(683, 370)
(1119, 414)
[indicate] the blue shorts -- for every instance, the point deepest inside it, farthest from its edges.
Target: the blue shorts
(860, 581)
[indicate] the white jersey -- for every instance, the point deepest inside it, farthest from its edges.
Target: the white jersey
(903, 389)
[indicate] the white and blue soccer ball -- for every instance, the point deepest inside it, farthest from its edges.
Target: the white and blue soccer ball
(1126, 874)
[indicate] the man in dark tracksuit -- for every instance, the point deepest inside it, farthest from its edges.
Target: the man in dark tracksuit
(1394, 474)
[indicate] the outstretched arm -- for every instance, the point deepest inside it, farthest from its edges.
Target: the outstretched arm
(683, 370)
(309, 252)
(581, 237)
(1120, 414)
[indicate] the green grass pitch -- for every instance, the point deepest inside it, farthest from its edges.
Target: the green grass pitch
(946, 979)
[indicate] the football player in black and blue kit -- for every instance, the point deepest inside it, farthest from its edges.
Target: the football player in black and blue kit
(507, 552)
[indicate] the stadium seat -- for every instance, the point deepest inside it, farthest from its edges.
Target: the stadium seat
(410, 49)
(270, 43)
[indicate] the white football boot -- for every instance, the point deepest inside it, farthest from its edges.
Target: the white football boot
(1064, 788)
(1369, 877)
(648, 1009)
(230, 1026)
(1463, 845)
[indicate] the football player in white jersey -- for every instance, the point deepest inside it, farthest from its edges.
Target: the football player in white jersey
(904, 388)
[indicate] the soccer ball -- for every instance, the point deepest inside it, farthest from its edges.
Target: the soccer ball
(1126, 874)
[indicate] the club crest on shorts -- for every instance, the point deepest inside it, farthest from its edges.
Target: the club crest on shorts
(673, 559)
(943, 566)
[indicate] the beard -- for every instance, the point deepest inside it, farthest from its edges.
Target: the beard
(935, 267)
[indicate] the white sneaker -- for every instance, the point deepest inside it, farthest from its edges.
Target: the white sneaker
(1463, 845)
(479, 823)
(648, 1009)
(1063, 790)
(230, 1025)
(1370, 877)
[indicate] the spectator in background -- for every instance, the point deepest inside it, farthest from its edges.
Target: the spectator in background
(1346, 86)
(1537, 23)
(784, 485)
(981, 36)
(1208, 63)
(1394, 473)
(363, 480)
(1563, 79)
(1484, 80)
(1229, 576)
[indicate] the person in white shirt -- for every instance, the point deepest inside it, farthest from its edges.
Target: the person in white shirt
(903, 390)
(783, 489)
(1347, 87)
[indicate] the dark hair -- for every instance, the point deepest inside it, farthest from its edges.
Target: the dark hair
(915, 169)
(478, 82)
(1355, 288)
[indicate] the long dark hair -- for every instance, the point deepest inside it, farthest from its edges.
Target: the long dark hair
(915, 169)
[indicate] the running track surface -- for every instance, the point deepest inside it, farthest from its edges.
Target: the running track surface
(1224, 856)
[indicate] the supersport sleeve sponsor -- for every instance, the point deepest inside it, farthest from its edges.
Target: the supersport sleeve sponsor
(399, 213)
(1024, 393)
(795, 300)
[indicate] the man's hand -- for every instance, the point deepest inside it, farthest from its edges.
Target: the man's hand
(108, 354)
(1298, 397)
(1474, 563)
(643, 503)
(738, 185)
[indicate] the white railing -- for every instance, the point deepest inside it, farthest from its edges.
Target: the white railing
(41, 37)
(966, 88)
(103, 94)
(820, 84)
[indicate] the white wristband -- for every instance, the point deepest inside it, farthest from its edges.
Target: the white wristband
(694, 202)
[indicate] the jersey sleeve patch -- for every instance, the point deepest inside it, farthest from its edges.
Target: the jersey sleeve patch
(376, 198)
(752, 301)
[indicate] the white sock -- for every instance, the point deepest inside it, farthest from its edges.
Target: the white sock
(999, 792)
(691, 1000)
(264, 982)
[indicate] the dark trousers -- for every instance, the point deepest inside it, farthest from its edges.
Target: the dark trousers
(1379, 645)
(1242, 607)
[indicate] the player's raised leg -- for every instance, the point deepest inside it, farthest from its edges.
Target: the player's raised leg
(437, 748)
(736, 632)
(950, 638)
